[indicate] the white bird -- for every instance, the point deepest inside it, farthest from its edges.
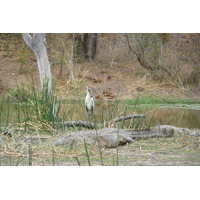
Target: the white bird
(89, 102)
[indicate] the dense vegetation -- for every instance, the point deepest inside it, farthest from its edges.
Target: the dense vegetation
(163, 57)
(115, 65)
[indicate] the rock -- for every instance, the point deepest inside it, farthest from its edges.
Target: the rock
(139, 89)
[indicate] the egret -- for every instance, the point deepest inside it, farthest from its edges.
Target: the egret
(89, 102)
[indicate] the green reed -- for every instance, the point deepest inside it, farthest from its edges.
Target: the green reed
(87, 154)
(29, 104)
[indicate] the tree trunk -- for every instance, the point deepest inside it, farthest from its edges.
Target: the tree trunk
(37, 44)
(89, 45)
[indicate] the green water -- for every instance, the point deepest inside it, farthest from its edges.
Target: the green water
(187, 116)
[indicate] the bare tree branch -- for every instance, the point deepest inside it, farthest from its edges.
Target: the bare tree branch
(129, 45)
(92, 125)
(139, 50)
(28, 39)
(84, 124)
(123, 118)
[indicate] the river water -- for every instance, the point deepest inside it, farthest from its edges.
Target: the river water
(187, 116)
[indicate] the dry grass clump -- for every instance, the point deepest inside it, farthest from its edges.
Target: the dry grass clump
(155, 151)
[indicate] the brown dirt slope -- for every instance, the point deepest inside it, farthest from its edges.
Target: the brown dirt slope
(18, 65)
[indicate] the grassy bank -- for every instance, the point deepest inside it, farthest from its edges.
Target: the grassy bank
(154, 151)
(27, 112)
(160, 101)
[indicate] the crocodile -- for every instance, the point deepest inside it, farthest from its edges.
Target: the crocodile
(109, 137)
(112, 137)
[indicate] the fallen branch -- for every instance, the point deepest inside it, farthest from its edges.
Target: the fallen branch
(92, 125)
(84, 124)
(128, 117)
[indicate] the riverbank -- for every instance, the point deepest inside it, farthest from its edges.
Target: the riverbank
(175, 151)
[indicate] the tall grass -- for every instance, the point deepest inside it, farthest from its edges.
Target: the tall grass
(30, 154)
(53, 156)
(45, 104)
(29, 106)
(77, 161)
(37, 110)
(87, 154)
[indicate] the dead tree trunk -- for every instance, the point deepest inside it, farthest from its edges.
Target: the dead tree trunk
(37, 44)
(89, 45)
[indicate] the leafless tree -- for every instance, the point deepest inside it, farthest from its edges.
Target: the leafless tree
(85, 45)
(90, 45)
(142, 45)
(37, 44)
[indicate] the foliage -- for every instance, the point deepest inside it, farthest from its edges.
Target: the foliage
(31, 106)
(5, 46)
(23, 59)
(45, 104)
(172, 57)
(26, 109)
